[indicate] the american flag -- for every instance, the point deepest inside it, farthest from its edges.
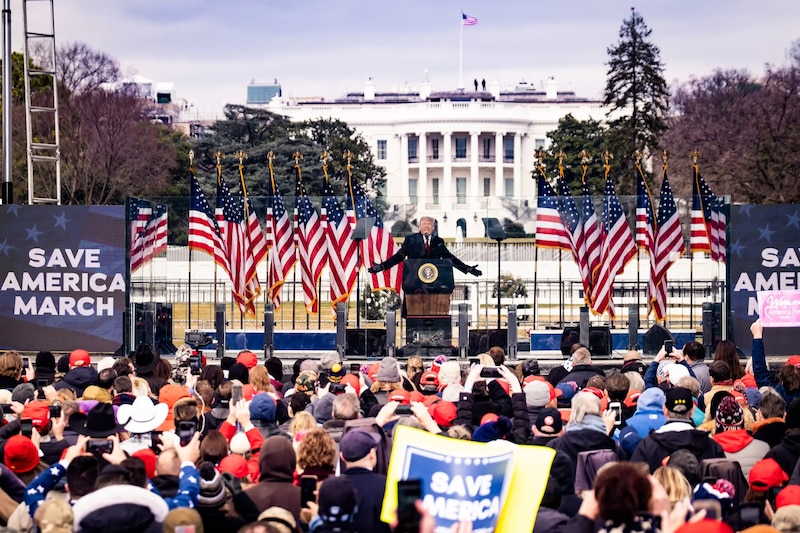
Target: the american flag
(592, 236)
(645, 224)
(708, 220)
(204, 235)
(668, 248)
(342, 249)
(379, 245)
(466, 20)
(571, 219)
(550, 230)
(699, 241)
(258, 244)
(233, 230)
(151, 232)
(312, 250)
(618, 250)
(281, 242)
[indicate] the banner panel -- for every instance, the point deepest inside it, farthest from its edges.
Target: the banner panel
(62, 277)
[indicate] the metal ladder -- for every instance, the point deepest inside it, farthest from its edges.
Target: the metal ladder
(44, 153)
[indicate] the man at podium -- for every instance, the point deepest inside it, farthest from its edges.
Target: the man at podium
(424, 245)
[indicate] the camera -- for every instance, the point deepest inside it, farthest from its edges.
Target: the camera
(196, 338)
(185, 429)
(99, 446)
(337, 388)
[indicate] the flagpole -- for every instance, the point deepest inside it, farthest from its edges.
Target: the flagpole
(461, 52)
(348, 156)
(637, 156)
(189, 313)
(694, 154)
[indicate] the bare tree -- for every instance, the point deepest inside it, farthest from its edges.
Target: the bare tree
(746, 130)
(79, 67)
(110, 150)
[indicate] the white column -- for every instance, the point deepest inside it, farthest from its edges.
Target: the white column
(402, 191)
(473, 190)
(446, 186)
(518, 165)
(422, 181)
(498, 164)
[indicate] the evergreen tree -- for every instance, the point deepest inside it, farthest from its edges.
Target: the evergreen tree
(637, 97)
(572, 137)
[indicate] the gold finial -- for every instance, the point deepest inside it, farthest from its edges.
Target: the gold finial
(219, 156)
(298, 155)
(560, 155)
(349, 156)
(270, 156)
(324, 156)
(637, 156)
(695, 155)
(539, 155)
(607, 156)
(585, 157)
(241, 155)
(191, 158)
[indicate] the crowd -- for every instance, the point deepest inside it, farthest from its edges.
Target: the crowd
(137, 443)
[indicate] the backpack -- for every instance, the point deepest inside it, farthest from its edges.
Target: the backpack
(726, 469)
(589, 462)
(384, 448)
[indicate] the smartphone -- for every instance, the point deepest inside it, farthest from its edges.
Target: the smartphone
(712, 507)
(41, 383)
(99, 446)
(236, 394)
(308, 485)
(617, 408)
(155, 440)
(355, 369)
(408, 492)
(668, 346)
(26, 427)
(195, 365)
(403, 409)
(25, 362)
(185, 429)
(55, 411)
(490, 372)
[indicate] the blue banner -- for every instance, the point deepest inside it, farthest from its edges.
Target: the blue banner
(62, 277)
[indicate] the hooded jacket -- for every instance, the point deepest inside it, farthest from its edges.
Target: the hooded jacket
(787, 452)
(78, 379)
(277, 463)
(770, 430)
(676, 435)
(763, 376)
(649, 412)
(740, 446)
(120, 508)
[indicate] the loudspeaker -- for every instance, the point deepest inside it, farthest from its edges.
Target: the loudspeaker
(463, 330)
(163, 329)
(653, 340)
(341, 329)
(480, 340)
(219, 327)
(633, 327)
(600, 340)
(712, 326)
(511, 347)
(570, 336)
(366, 342)
(143, 325)
(391, 332)
(432, 331)
(269, 331)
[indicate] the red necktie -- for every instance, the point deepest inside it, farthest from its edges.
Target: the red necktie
(427, 245)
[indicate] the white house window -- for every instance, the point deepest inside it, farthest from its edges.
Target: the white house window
(381, 149)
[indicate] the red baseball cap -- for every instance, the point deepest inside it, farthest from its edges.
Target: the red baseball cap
(443, 413)
(399, 395)
(20, 454)
(767, 473)
(39, 412)
(248, 359)
(429, 378)
(353, 381)
(789, 495)
(79, 358)
(488, 417)
(148, 457)
(417, 396)
(235, 464)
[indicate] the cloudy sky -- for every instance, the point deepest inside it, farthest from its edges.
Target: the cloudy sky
(212, 49)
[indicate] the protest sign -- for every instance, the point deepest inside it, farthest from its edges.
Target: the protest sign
(496, 486)
(779, 309)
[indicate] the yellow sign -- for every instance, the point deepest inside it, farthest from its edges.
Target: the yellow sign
(496, 486)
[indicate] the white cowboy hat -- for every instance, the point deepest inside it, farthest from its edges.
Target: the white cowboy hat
(142, 416)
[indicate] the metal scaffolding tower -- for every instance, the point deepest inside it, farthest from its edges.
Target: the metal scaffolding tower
(41, 108)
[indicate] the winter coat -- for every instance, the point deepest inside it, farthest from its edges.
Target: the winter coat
(557, 375)
(581, 440)
(549, 519)
(277, 463)
(78, 379)
(9, 383)
(763, 376)
(740, 446)
(700, 370)
(471, 410)
(582, 373)
(370, 488)
(671, 437)
(787, 452)
(770, 430)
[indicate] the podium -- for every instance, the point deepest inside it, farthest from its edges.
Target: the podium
(427, 285)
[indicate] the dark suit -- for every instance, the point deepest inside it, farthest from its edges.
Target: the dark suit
(414, 247)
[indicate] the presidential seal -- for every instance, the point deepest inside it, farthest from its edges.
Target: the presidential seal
(428, 273)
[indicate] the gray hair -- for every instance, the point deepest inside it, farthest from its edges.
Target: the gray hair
(328, 359)
(635, 380)
(584, 403)
(346, 407)
(309, 364)
(582, 356)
